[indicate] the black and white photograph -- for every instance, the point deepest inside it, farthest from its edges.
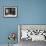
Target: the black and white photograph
(31, 34)
(10, 11)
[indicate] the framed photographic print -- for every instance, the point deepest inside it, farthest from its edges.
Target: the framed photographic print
(33, 32)
(10, 11)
